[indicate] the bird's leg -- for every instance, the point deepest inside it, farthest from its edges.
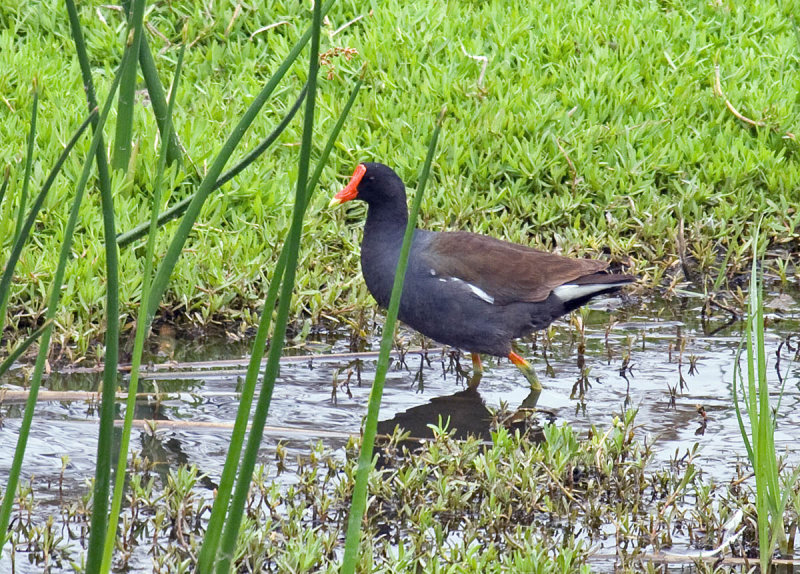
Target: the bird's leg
(477, 365)
(527, 370)
(530, 401)
(477, 371)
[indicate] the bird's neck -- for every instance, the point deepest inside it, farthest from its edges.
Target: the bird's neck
(386, 221)
(380, 249)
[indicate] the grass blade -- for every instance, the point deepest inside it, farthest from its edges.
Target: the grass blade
(737, 404)
(359, 501)
(207, 185)
(158, 100)
(99, 520)
(53, 301)
(127, 91)
(23, 201)
(219, 511)
(26, 180)
(156, 92)
(759, 439)
(6, 175)
(234, 519)
(758, 414)
(142, 326)
(179, 208)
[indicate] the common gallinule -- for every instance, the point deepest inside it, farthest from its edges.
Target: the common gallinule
(469, 291)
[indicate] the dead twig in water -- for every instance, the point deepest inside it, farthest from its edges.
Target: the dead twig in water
(11, 397)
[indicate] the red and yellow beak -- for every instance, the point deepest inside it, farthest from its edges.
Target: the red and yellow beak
(351, 189)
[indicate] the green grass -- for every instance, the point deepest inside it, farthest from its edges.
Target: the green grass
(626, 87)
(774, 488)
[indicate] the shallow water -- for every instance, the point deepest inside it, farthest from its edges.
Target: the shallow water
(659, 356)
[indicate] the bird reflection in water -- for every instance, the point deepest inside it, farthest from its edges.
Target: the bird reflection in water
(464, 414)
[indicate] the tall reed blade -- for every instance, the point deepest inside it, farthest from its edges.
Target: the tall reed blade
(16, 249)
(9, 361)
(234, 519)
(52, 307)
(157, 99)
(4, 185)
(155, 92)
(99, 520)
(26, 180)
(23, 198)
(142, 326)
(759, 439)
(207, 185)
(219, 511)
(359, 501)
(127, 89)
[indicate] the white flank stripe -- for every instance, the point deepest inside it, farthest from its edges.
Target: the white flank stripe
(481, 293)
(569, 292)
(477, 291)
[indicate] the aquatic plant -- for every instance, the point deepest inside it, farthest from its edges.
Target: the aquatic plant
(774, 489)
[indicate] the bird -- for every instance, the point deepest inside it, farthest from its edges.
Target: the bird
(465, 290)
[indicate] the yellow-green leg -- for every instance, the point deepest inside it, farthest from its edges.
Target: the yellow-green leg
(536, 387)
(526, 370)
(477, 371)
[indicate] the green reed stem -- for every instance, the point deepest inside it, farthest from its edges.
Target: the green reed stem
(127, 91)
(359, 501)
(142, 326)
(760, 418)
(771, 499)
(4, 185)
(219, 511)
(234, 519)
(16, 250)
(26, 180)
(23, 199)
(179, 208)
(52, 307)
(207, 185)
(99, 519)
(158, 100)
(21, 348)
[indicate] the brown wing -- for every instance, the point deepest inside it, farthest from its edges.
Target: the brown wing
(506, 271)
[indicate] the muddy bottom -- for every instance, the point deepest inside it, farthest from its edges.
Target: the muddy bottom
(662, 357)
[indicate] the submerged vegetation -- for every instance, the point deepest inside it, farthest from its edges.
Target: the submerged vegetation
(585, 127)
(566, 504)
